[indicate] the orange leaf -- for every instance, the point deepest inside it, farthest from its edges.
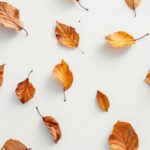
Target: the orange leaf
(25, 90)
(10, 17)
(1, 74)
(123, 137)
(147, 79)
(103, 101)
(66, 35)
(14, 145)
(52, 126)
(63, 74)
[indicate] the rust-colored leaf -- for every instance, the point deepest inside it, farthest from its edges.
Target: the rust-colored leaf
(147, 79)
(14, 145)
(103, 101)
(121, 39)
(63, 74)
(1, 74)
(78, 1)
(10, 17)
(67, 35)
(123, 137)
(52, 126)
(25, 90)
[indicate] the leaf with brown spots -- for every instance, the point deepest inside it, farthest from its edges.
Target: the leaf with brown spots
(52, 126)
(25, 90)
(123, 137)
(10, 17)
(103, 101)
(1, 74)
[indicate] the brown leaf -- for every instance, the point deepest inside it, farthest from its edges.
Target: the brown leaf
(103, 101)
(147, 79)
(52, 126)
(1, 74)
(133, 4)
(78, 1)
(66, 35)
(63, 74)
(123, 137)
(10, 17)
(25, 90)
(14, 145)
(121, 39)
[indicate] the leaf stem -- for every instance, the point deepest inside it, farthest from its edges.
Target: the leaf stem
(25, 31)
(134, 8)
(82, 5)
(30, 73)
(142, 37)
(81, 50)
(64, 95)
(39, 111)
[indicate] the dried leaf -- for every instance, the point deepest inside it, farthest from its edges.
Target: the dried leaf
(14, 145)
(10, 17)
(52, 126)
(1, 74)
(63, 74)
(121, 39)
(67, 36)
(103, 101)
(147, 79)
(133, 4)
(25, 90)
(78, 1)
(123, 137)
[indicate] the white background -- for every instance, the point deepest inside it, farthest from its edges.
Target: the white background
(117, 73)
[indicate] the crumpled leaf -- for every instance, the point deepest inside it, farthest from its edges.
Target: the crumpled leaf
(103, 101)
(123, 137)
(121, 39)
(147, 79)
(133, 4)
(14, 145)
(63, 74)
(66, 35)
(52, 126)
(78, 1)
(10, 17)
(1, 74)
(25, 90)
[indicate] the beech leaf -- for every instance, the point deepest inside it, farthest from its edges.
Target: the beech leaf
(147, 79)
(103, 101)
(25, 90)
(10, 17)
(63, 74)
(14, 145)
(133, 4)
(122, 39)
(52, 126)
(123, 137)
(1, 74)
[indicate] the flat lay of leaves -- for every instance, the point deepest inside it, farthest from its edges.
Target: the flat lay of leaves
(123, 136)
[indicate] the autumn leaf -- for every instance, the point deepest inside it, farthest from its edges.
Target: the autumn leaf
(133, 4)
(63, 74)
(78, 1)
(14, 145)
(10, 17)
(123, 137)
(52, 126)
(1, 74)
(103, 101)
(122, 39)
(147, 79)
(25, 90)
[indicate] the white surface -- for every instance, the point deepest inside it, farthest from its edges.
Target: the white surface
(119, 74)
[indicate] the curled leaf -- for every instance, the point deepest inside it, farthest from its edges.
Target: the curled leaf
(63, 74)
(78, 1)
(25, 90)
(10, 17)
(103, 101)
(14, 145)
(133, 4)
(123, 137)
(1, 74)
(147, 79)
(121, 39)
(52, 126)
